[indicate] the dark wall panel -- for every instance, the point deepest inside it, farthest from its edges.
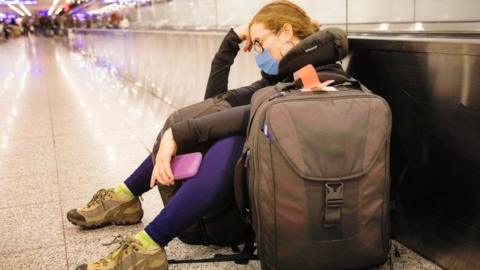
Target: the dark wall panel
(433, 88)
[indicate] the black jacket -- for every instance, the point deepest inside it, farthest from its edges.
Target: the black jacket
(321, 49)
(217, 84)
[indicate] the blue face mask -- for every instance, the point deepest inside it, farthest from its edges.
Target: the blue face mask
(266, 62)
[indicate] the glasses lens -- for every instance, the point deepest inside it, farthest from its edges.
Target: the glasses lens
(258, 47)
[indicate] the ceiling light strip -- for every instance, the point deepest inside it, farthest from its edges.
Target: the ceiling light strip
(16, 10)
(52, 7)
(25, 9)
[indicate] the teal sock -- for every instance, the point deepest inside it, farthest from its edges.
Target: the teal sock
(123, 193)
(146, 240)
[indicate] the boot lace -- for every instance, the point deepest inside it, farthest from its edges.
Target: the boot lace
(125, 247)
(99, 196)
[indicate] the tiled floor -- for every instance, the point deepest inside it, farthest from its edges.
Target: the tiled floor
(68, 128)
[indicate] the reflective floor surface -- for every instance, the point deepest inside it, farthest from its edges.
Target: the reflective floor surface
(67, 129)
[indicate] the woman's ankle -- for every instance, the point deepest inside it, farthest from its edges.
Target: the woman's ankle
(123, 193)
(146, 240)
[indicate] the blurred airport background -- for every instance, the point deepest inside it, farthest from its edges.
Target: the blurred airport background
(86, 85)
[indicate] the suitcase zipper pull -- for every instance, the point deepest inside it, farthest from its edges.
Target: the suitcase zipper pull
(265, 130)
(276, 95)
(247, 159)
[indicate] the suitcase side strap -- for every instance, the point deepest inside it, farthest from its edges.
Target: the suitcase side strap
(239, 257)
(240, 186)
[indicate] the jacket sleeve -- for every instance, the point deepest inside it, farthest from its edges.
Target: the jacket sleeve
(210, 127)
(221, 63)
(218, 80)
(242, 96)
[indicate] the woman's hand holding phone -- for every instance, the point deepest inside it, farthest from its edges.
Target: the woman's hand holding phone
(162, 171)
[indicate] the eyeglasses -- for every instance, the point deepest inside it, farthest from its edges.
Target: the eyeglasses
(258, 45)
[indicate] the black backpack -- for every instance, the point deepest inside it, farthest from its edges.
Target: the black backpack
(223, 225)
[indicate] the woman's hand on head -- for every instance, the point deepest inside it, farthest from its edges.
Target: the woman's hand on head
(243, 32)
(162, 171)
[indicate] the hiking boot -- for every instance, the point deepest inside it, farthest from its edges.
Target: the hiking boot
(130, 255)
(106, 208)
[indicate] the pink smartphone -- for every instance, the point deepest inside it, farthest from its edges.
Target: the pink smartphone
(186, 166)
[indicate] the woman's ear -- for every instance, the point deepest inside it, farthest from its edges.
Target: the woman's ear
(287, 33)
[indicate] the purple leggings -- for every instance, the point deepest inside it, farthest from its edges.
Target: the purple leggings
(212, 184)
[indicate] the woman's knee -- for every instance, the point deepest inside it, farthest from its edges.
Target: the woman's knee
(227, 149)
(235, 140)
(171, 119)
